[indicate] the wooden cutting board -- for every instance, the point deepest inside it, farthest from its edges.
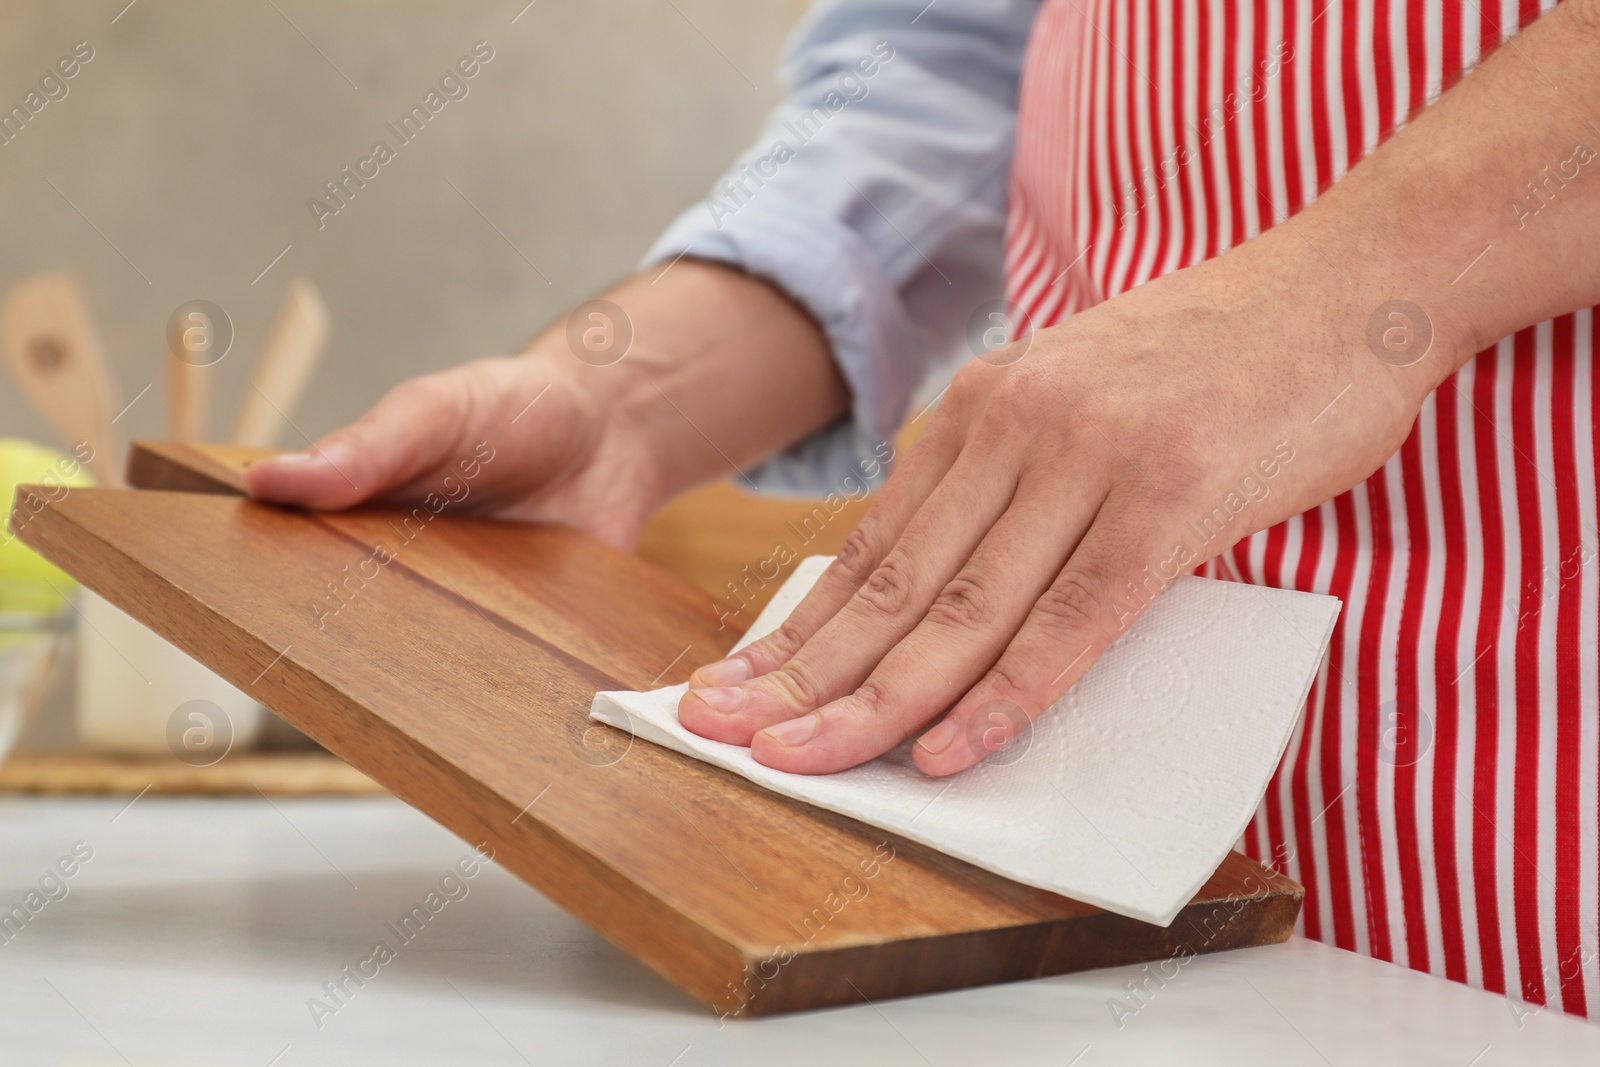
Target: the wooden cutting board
(459, 675)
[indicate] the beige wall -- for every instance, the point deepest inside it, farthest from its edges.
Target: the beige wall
(194, 137)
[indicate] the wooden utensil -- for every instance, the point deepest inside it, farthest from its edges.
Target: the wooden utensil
(198, 336)
(186, 399)
(453, 660)
(290, 358)
(55, 356)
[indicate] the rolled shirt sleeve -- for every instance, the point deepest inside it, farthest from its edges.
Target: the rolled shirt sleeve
(874, 195)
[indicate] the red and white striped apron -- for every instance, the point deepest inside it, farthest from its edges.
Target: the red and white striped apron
(1441, 796)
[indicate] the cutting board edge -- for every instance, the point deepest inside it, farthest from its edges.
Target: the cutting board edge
(1026, 951)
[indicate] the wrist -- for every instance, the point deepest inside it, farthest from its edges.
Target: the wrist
(628, 429)
(700, 369)
(1387, 320)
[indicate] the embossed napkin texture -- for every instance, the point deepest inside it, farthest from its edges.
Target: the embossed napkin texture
(1127, 793)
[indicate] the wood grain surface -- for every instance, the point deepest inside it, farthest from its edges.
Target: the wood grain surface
(191, 468)
(459, 675)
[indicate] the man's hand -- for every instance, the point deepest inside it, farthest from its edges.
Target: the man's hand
(1061, 483)
(719, 368)
(562, 458)
(1051, 498)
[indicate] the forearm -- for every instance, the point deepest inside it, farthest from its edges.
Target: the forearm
(1479, 212)
(723, 370)
(874, 195)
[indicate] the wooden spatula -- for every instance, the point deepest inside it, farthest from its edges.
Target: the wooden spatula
(286, 367)
(55, 356)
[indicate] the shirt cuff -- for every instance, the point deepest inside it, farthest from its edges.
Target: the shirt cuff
(824, 266)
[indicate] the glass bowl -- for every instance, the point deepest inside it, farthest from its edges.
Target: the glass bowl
(31, 647)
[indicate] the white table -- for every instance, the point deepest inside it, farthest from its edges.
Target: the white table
(200, 928)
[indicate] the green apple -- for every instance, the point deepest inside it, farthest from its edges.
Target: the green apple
(30, 584)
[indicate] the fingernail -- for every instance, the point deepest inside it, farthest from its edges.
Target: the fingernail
(938, 739)
(724, 698)
(795, 732)
(293, 461)
(723, 672)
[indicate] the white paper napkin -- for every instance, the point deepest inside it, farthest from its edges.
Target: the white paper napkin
(1127, 793)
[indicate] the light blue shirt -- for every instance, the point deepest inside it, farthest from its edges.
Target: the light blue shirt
(875, 196)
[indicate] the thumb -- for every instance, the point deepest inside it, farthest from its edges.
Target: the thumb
(407, 434)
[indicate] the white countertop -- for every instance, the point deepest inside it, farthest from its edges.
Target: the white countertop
(200, 928)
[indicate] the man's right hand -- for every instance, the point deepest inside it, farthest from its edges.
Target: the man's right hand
(722, 369)
(559, 453)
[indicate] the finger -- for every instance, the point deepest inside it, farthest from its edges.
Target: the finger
(408, 432)
(962, 634)
(908, 486)
(914, 478)
(837, 658)
(427, 427)
(1085, 608)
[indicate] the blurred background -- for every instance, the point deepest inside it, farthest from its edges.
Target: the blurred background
(179, 163)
